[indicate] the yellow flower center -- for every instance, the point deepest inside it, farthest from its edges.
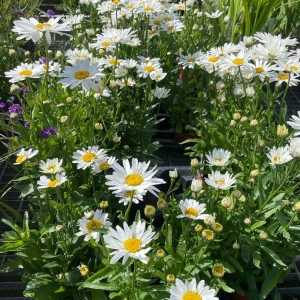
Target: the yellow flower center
(238, 61)
(105, 44)
(52, 183)
(104, 166)
(220, 181)
(41, 26)
(259, 70)
(114, 61)
(149, 69)
(213, 58)
(283, 76)
(25, 73)
(115, 2)
(93, 225)
(191, 212)
(84, 270)
(81, 74)
(148, 9)
(134, 179)
(20, 158)
(191, 295)
(276, 159)
(88, 156)
(52, 168)
(132, 245)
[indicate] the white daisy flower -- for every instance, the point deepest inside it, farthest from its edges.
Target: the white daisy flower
(220, 181)
(216, 14)
(285, 77)
(51, 166)
(129, 242)
(161, 93)
(294, 122)
(25, 71)
(189, 61)
(91, 225)
(295, 147)
(111, 37)
(261, 68)
(158, 75)
(102, 164)
(74, 56)
(279, 156)
(210, 60)
(218, 157)
(148, 66)
(45, 182)
(192, 209)
(236, 61)
(24, 155)
(130, 196)
(73, 20)
(32, 29)
(86, 157)
(190, 290)
(85, 73)
(135, 177)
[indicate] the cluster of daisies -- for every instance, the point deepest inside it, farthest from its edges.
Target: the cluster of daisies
(265, 56)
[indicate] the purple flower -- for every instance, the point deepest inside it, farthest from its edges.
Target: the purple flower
(47, 132)
(43, 60)
(2, 105)
(15, 109)
(50, 13)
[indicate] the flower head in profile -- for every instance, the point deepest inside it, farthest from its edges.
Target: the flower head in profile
(103, 164)
(129, 241)
(51, 166)
(133, 178)
(220, 181)
(33, 29)
(192, 209)
(24, 155)
(85, 74)
(191, 290)
(46, 182)
(279, 156)
(92, 224)
(218, 157)
(25, 71)
(86, 157)
(294, 122)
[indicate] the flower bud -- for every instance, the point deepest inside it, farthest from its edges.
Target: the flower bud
(83, 269)
(247, 221)
(198, 228)
(194, 163)
(217, 227)
(297, 206)
(263, 235)
(173, 174)
(232, 123)
(236, 116)
(149, 211)
(196, 185)
(218, 270)
(282, 131)
(160, 253)
(63, 119)
(228, 203)
(254, 173)
(208, 234)
(98, 126)
(236, 245)
(103, 204)
(253, 123)
(244, 119)
(170, 278)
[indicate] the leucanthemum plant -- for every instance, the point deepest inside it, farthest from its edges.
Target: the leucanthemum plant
(103, 220)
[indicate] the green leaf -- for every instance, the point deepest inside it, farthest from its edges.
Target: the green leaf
(258, 224)
(99, 286)
(270, 282)
(273, 255)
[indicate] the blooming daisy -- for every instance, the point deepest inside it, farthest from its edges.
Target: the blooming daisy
(294, 122)
(134, 177)
(148, 66)
(45, 182)
(189, 61)
(85, 157)
(284, 77)
(192, 209)
(51, 166)
(32, 29)
(261, 68)
(235, 61)
(218, 157)
(74, 56)
(161, 92)
(190, 290)
(210, 60)
(23, 155)
(25, 71)
(220, 181)
(295, 147)
(279, 156)
(84, 73)
(129, 241)
(91, 225)
(103, 163)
